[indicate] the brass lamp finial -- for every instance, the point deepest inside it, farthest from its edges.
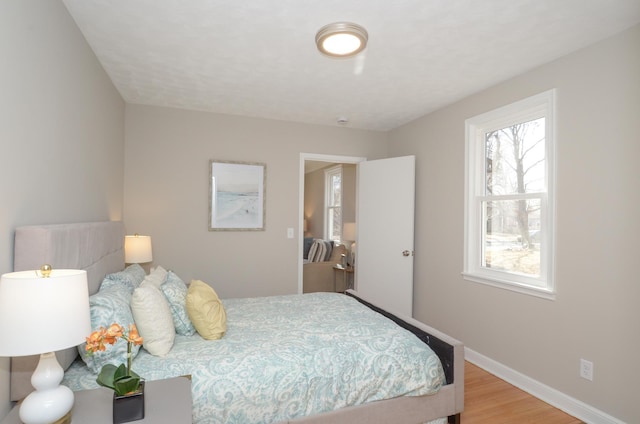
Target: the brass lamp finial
(45, 270)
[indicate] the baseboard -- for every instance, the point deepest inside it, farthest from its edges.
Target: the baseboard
(566, 403)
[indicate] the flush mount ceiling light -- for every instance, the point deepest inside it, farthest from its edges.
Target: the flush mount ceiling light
(341, 39)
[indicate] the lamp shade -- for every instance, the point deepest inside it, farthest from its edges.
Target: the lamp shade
(39, 314)
(349, 231)
(137, 249)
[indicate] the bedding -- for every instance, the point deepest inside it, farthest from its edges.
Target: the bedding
(97, 247)
(284, 357)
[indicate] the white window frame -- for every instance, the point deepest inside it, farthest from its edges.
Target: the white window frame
(328, 196)
(541, 105)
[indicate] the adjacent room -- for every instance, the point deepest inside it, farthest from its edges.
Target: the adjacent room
(470, 166)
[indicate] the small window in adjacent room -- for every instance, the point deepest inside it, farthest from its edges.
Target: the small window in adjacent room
(333, 203)
(509, 197)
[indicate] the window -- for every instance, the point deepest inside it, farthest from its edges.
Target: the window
(333, 203)
(509, 201)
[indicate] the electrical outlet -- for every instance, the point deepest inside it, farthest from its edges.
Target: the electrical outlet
(586, 369)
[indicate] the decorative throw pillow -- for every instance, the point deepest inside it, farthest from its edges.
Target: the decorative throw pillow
(108, 306)
(320, 250)
(153, 318)
(329, 249)
(175, 290)
(308, 241)
(156, 277)
(206, 310)
(130, 277)
(315, 251)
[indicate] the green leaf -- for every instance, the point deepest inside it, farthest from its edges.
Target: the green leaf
(116, 379)
(126, 385)
(120, 372)
(106, 377)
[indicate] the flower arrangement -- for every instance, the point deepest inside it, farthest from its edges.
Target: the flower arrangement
(120, 379)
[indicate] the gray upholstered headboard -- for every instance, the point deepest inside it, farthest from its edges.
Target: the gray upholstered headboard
(97, 247)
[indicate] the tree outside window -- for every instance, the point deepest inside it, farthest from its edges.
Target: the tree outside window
(514, 170)
(509, 208)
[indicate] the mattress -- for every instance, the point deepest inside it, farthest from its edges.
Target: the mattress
(285, 357)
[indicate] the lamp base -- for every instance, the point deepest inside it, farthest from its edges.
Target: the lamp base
(64, 420)
(50, 401)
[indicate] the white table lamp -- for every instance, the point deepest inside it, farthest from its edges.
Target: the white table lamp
(349, 234)
(42, 312)
(137, 249)
(349, 231)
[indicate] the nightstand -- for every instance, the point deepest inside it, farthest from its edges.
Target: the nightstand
(344, 275)
(166, 402)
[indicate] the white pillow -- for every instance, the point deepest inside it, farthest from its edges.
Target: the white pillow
(153, 318)
(156, 277)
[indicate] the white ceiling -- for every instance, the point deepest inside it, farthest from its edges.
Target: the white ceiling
(258, 58)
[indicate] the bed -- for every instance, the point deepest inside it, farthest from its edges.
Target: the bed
(338, 387)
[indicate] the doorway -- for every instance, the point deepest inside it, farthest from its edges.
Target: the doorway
(314, 225)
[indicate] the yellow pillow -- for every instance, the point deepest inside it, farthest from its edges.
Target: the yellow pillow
(206, 310)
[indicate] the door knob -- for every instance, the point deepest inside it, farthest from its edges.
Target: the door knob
(406, 253)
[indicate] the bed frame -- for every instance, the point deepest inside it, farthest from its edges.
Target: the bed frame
(98, 247)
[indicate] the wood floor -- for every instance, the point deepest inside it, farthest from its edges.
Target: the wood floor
(490, 400)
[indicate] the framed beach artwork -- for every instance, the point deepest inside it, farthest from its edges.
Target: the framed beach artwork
(237, 196)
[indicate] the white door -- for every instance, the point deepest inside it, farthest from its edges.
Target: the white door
(384, 249)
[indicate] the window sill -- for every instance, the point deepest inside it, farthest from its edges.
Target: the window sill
(511, 286)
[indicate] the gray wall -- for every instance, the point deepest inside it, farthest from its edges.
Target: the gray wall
(61, 131)
(314, 203)
(595, 315)
(166, 192)
(349, 183)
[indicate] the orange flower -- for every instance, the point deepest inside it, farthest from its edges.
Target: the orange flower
(113, 333)
(95, 341)
(134, 337)
(99, 339)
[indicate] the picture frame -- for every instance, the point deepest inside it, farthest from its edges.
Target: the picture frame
(237, 196)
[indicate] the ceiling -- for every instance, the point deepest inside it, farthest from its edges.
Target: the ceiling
(258, 58)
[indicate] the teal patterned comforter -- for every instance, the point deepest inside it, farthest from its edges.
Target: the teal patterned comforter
(285, 357)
